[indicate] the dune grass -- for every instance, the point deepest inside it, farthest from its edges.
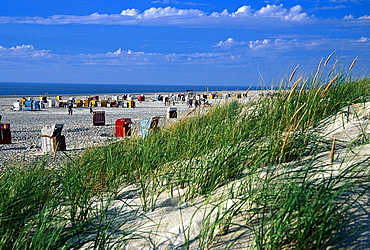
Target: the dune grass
(281, 199)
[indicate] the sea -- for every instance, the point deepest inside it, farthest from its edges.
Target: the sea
(37, 89)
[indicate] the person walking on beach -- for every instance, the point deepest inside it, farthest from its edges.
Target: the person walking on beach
(166, 100)
(70, 106)
(190, 103)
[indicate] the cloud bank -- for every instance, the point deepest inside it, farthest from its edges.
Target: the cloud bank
(272, 16)
(292, 44)
(24, 52)
(173, 16)
(231, 51)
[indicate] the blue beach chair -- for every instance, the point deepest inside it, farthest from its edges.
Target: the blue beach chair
(147, 125)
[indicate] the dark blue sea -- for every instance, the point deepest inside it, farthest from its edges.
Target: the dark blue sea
(35, 89)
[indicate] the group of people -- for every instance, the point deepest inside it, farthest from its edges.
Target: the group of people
(168, 99)
(197, 102)
(191, 98)
(70, 107)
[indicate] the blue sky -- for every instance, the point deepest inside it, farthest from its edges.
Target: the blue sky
(208, 42)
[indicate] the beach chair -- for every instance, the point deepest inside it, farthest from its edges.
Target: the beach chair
(148, 125)
(98, 118)
(52, 138)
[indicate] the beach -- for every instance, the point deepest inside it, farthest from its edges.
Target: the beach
(78, 129)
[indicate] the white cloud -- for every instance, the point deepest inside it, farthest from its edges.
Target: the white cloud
(170, 11)
(295, 14)
(230, 42)
(366, 17)
(224, 13)
(363, 40)
(161, 16)
(23, 51)
(309, 44)
(349, 17)
(17, 48)
(275, 44)
(121, 52)
(272, 11)
(262, 44)
(278, 11)
(243, 12)
(130, 12)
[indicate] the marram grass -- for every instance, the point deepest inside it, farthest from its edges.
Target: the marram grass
(280, 201)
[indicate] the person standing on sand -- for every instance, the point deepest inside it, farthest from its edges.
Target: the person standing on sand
(190, 103)
(166, 100)
(70, 106)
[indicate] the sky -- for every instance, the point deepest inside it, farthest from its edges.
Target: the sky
(206, 42)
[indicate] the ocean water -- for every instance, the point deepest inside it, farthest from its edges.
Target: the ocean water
(36, 89)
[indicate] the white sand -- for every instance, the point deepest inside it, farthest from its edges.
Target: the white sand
(78, 130)
(26, 125)
(171, 222)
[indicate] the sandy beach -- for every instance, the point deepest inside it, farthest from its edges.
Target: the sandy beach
(26, 125)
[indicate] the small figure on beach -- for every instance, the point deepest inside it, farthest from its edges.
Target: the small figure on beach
(173, 99)
(190, 103)
(166, 100)
(70, 106)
